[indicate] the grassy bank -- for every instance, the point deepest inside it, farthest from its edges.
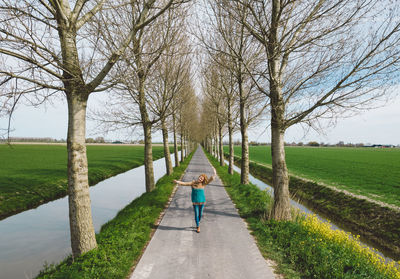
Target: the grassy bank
(372, 172)
(376, 224)
(31, 175)
(304, 248)
(121, 240)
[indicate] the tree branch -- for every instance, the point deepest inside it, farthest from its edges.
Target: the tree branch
(85, 18)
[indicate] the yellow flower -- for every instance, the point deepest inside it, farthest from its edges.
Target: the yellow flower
(314, 225)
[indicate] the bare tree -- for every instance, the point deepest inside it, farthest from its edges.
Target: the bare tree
(241, 56)
(324, 59)
(172, 71)
(217, 102)
(208, 125)
(138, 74)
(180, 99)
(223, 83)
(47, 47)
(187, 116)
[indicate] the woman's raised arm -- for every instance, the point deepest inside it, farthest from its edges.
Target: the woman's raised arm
(212, 177)
(190, 183)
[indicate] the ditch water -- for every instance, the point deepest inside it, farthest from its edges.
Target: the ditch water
(263, 186)
(32, 238)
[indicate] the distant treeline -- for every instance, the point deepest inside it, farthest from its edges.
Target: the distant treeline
(88, 140)
(24, 139)
(321, 144)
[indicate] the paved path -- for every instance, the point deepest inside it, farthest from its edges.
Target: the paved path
(223, 249)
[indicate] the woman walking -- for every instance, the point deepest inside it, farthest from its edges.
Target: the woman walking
(198, 196)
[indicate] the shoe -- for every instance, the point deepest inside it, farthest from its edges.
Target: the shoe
(198, 229)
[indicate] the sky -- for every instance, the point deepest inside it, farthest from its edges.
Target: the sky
(377, 126)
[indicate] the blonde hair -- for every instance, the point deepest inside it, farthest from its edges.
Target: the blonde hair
(205, 181)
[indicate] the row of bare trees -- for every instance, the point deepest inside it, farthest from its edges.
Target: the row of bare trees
(135, 50)
(295, 61)
(299, 62)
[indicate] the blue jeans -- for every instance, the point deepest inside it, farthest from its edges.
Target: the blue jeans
(198, 212)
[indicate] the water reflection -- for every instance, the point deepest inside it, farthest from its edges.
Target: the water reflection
(31, 238)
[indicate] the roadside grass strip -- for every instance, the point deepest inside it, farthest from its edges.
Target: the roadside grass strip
(379, 225)
(304, 247)
(120, 241)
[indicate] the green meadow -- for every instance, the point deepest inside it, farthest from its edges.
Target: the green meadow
(33, 174)
(371, 172)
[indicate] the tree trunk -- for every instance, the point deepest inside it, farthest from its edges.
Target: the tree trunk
(230, 132)
(210, 140)
(148, 152)
(244, 176)
(244, 173)
(280, 178)
(182, 150)
(167, 155)
(175, 142)
(148, 158)
(216, 146)
(80, 215)
(185, 144)
(213, 145)
(221, 149)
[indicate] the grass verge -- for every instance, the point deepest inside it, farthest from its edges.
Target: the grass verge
(305, 247)
(121, 240)
(31, 175)
(377, 224)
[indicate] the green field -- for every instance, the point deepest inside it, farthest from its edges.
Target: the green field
(371, 172)
(33, 174)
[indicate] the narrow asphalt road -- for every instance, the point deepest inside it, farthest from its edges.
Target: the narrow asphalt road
(223, 249)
